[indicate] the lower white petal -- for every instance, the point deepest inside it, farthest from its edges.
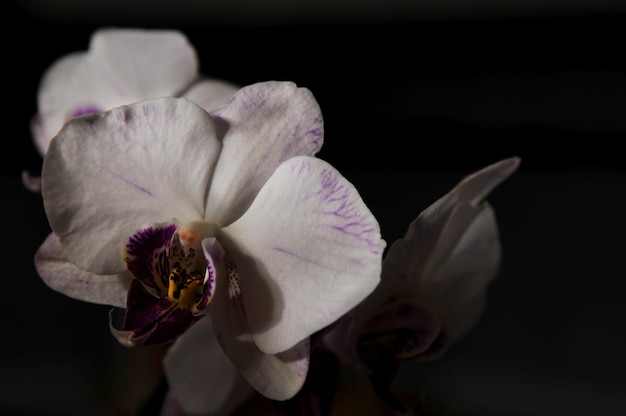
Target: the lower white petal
(201, 378)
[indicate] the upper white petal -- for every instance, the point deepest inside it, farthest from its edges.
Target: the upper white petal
(143, 63)
(121, 66)
(105, 176)
(264, 125)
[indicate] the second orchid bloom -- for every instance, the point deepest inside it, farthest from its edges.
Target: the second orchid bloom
(121, 66)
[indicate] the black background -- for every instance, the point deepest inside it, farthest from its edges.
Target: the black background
(411, 103)
(396, 91)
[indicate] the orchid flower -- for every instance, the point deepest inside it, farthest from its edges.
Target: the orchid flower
(433, 286)
(191, 220)
(121, 66)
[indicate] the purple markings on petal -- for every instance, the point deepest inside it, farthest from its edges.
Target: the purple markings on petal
(150, 320)
(121, 116)
(146, 256)
(134, 185)
(338, 201)
(87, 109)
(142, 308)
(314, 135)
(290, 253)
(213, 255)
(303, 167)
(317, 133)
(207, 293)
(357, 222)
(144, 241)
(146, 109)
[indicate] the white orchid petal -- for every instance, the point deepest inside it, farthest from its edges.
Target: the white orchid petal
(143, 63)
(106, 176)
(445, 223)
(213, 257)
(61, 275)
(67, 83)
(121, 66)
(462, 279)
(265, 124)
(450, 253)
(439, 227)
(201, 378)
(210, 94)
(476, 186)
(308, 250)
(432, 236)
(278, 377)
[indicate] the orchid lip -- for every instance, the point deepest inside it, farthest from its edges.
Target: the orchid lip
(169, 261)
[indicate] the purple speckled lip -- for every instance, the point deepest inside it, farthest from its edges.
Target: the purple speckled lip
(146, 256)
(150, 320)
(87, 109)
(153, 317)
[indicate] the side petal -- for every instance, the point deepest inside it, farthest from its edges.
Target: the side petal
(59, 274)
(444, 223)
(278, 377)
(458, 286)
(265, 124)
(475, 187)
(201, 378)
(450, 253)
(144, 163)
(464, 256)
(210, 94)
(121, 66)
(308, 250)
(143, 63)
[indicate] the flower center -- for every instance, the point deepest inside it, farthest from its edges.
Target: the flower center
(187, 263)
(185, 286)
(170, 261)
